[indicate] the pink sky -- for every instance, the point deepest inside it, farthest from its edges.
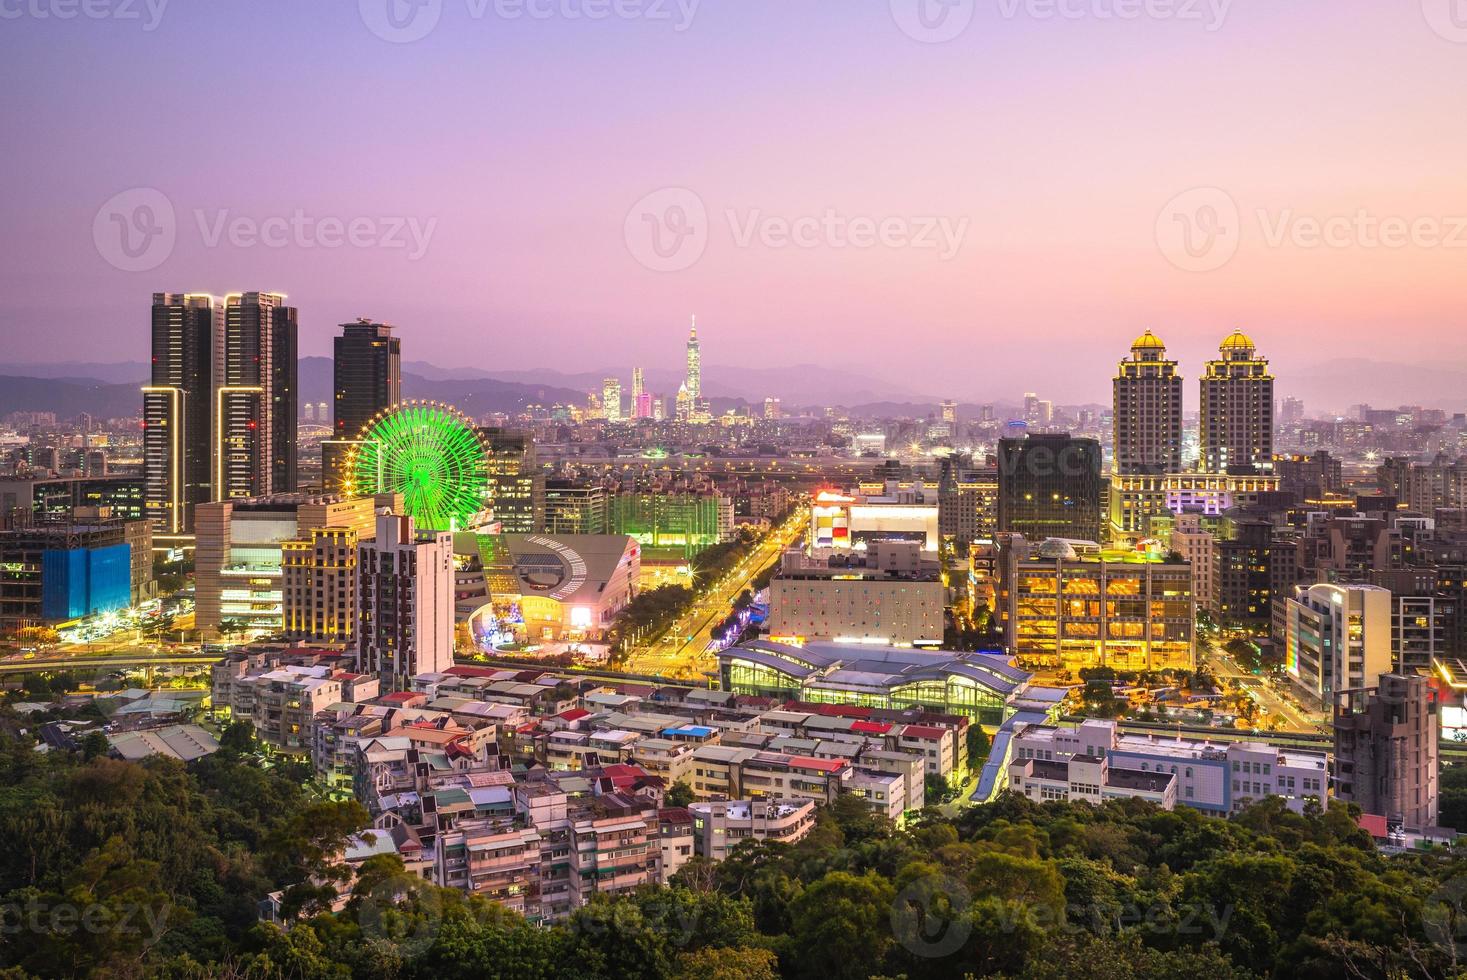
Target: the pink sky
(1058, 141)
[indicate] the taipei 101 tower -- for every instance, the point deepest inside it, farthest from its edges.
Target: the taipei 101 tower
(695, 368)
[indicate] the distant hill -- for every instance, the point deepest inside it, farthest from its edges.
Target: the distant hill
(472, 396)
(69, 397)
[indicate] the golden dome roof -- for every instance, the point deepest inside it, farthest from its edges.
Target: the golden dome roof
(1237, 340)
(1148, 341)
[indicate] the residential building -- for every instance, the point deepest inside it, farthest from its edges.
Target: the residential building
(1337, 637)
(367, 378)
(256, 376)
(405, 602)
(1237, 410)
(178, 409)
(1386, 753)
(239, 563)
(1147, 416)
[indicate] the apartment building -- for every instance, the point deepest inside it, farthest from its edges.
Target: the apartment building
(721, 826)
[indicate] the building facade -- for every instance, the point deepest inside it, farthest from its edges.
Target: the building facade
(1050, 486)
(404, 602)
(256, 395)
(1147, 413)
(1237, 410)
(178, 409)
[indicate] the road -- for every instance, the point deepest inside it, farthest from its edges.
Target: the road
(682, 650)
(1270, 700)
(123, 658)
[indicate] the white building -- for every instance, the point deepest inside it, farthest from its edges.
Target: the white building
(1337, 637)
(1218, 777)
(897, 603)
(405, 596)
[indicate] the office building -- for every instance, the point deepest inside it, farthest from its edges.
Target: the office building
(681, 524)
(367, 378)
(516, 484)
(1237, 410)
(1386, 753)
(967, 502)
(55, 498)
(1337, 637)
(845, 523)
(694, 381)
(55, 573)
(888, 596)
(1073, 605)
(1148, 410)
(404, 602)
(256, 375)
(178, 410)
(611, 399)
(576, 508)
(318, 579)
(240, 558)
(1050, 486)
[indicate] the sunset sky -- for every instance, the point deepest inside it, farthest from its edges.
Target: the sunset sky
(519, 147)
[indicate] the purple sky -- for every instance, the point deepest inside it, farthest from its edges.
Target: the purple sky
(1052, 148)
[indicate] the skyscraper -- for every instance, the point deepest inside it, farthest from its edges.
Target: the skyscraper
(1148, 410)
(611, 399)
(177, 409)
(695, 368)
(1237, 410)
(367, 371)
(255, 401)
(1049, 486)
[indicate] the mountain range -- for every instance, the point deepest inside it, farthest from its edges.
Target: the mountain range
(110, 390)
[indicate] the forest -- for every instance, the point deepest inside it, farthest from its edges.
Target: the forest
(114, 869)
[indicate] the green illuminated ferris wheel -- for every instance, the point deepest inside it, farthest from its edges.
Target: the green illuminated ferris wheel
(428, 452)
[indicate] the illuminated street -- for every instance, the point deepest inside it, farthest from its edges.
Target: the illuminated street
(681, 652)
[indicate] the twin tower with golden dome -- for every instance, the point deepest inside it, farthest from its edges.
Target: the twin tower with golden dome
(1235, 412)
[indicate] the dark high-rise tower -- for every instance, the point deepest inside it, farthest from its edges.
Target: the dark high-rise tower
(367, 370)
(257, 371)
(1148, 410)
(178, 408)
(368, 373)
(1049, 486)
